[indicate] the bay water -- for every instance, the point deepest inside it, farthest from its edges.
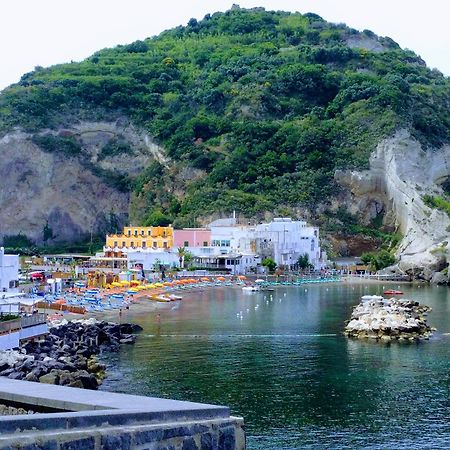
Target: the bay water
(279, 359)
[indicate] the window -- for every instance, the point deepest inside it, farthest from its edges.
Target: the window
(205, 243)
(164, 233)
(312, 245)
(135, 232)
(132, 244)
(186, 244)
(215, 243)
(155, 244)
(123, 244)
(129, 232)
(144, 244)
(165, 244)
(142, 233)
(115, 243)
(150, 232)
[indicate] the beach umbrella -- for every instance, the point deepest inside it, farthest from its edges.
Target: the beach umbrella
(242, 277)
(79, 284)
(117, 296)
(130, 292)
(204, 278)
(168, 283)
(259, 281)
(116, 284)
(60, 302)
(133, 290)
(159, 285)
(221, 278)
(124, 283)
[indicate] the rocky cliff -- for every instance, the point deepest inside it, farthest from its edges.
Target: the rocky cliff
(401, 173)
(70, 194)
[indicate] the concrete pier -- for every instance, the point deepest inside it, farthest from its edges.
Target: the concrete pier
(103, 420)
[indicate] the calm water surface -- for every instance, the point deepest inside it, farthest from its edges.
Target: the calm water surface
(286, 368)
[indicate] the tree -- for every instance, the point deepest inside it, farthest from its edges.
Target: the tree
(270, 264)
(158, 219)
(47, 233)
(303, 262)
(185, 257)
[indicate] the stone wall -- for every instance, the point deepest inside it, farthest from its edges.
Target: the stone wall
(103, 420)
(199, 435)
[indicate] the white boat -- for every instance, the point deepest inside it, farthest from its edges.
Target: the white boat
(251, 288)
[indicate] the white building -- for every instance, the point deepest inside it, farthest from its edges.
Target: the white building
(9, 271)
(285, 240)
(150, 259)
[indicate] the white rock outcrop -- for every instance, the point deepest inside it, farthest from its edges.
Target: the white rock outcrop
(401, 173)
(379, 318)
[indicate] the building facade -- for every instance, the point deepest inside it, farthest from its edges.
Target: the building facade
(285, 240)
(9, 271)
(192, 238)
(133, 238)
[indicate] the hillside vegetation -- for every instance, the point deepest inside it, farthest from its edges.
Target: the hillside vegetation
(264, 105)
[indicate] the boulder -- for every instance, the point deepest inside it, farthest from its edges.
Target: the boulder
(50, 378)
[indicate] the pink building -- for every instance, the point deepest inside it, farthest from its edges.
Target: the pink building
(192, 237)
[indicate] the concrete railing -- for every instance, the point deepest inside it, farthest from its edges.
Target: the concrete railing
(35, 319)
(103, 420)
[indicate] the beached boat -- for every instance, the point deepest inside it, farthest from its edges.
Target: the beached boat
(165, 298)
(393, 292)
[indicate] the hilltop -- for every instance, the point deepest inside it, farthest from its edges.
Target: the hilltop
(262, 112)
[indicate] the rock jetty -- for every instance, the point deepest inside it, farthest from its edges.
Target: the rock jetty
(389, 319)
(67, 356)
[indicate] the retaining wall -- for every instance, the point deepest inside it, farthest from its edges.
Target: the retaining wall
(102, 420)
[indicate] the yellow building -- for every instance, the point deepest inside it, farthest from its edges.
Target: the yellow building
(141, 238)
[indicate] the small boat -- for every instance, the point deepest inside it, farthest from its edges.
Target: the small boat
(251, 288)
(163, 298)
(393, 292)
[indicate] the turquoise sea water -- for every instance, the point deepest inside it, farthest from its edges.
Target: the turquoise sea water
(288, 370)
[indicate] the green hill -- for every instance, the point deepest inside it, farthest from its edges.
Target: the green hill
(262, 106)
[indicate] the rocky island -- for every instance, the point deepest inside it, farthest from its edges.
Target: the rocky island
(68, 354)
(389, 319)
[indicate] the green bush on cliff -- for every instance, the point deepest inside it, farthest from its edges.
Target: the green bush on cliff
(378, 260)
(266, 104)
(437, 202)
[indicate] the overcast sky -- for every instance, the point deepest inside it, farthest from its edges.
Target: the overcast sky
(47, 32)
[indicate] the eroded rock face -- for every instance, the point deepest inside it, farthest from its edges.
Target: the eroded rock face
(40, 187)
(400, 174)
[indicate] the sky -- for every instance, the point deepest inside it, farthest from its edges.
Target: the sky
(47, 32)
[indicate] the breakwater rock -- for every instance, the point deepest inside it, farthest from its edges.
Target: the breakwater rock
(389, 319)
(67, 356)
